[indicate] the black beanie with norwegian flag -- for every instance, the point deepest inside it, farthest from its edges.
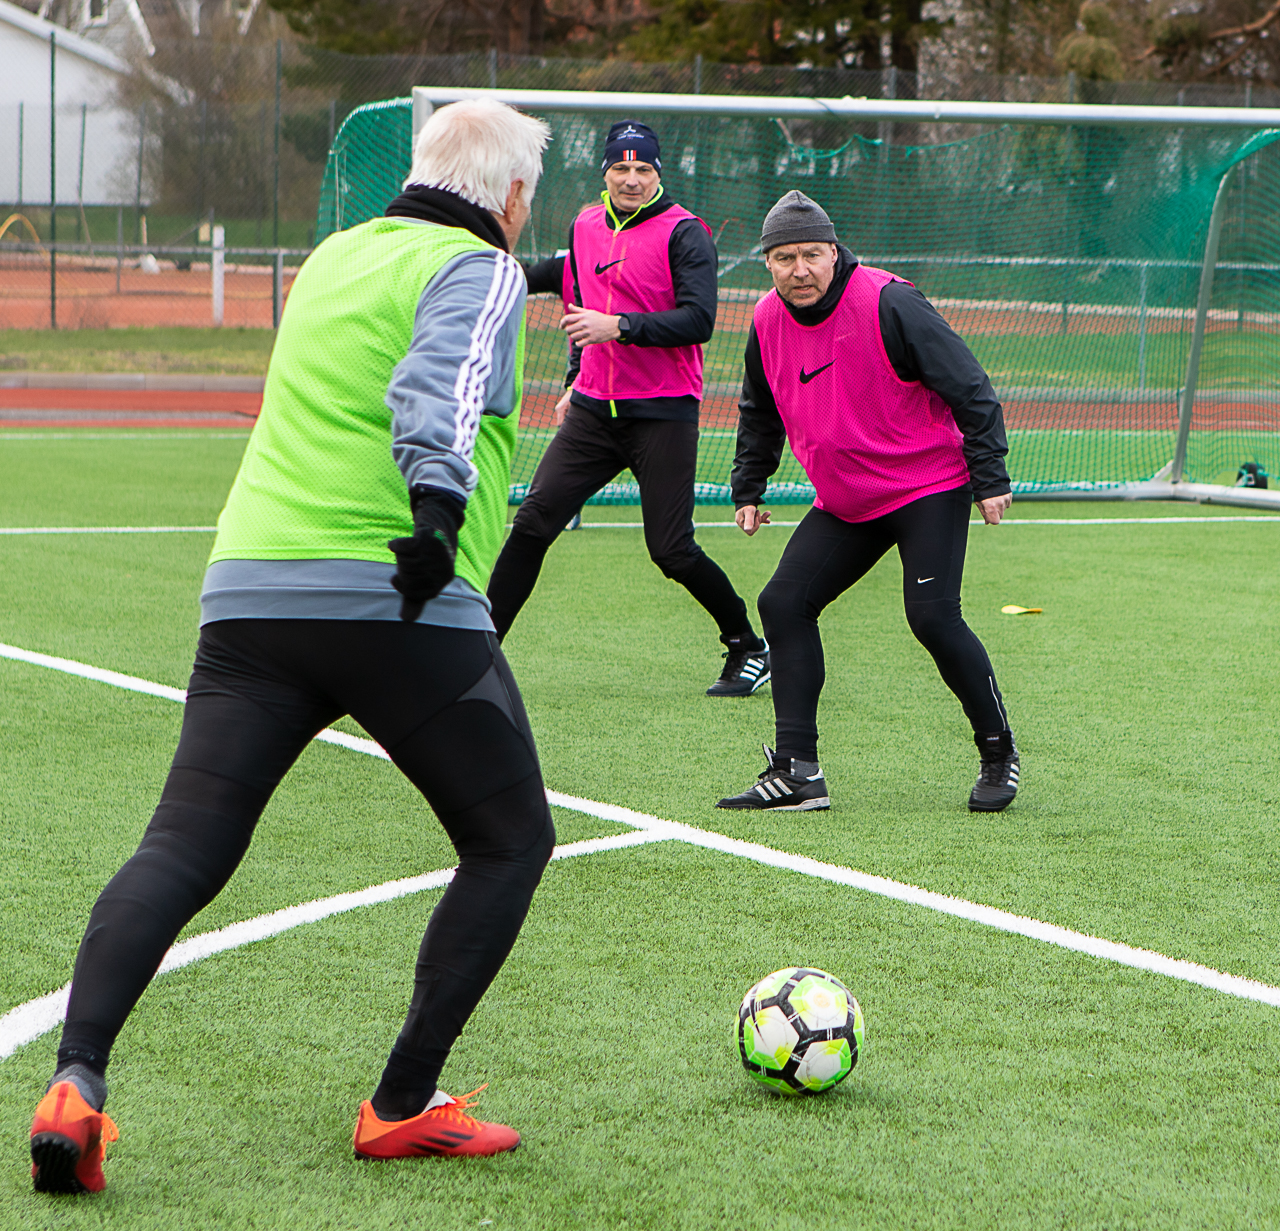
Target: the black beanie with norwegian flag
(631, 141)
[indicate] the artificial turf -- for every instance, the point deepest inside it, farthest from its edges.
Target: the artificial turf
(1007, 1083)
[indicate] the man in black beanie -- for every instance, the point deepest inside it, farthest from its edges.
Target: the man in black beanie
(639, 287)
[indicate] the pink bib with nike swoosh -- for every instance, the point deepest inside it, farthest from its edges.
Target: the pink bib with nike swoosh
(629, 270)
(869, 441)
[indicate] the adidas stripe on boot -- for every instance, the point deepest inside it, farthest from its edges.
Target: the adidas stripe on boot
(998, 778)
(787, 785)
(443, 1130)
(745, 670)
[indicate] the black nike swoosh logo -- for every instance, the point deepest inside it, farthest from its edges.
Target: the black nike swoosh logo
(601, 268)
(806, 377)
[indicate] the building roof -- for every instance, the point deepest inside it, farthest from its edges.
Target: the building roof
(68, 41)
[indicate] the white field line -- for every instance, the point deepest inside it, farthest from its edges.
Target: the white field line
(72, 434)
(1004, 921)
(1126, 521)
(48, 1009)
(29, 1021)
(700, 525)
(1008, 521)
(107, 529)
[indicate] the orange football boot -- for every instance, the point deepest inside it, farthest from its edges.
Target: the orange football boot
(68, 1143)
(444, 1129)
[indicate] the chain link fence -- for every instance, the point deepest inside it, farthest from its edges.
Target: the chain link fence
(238, 136)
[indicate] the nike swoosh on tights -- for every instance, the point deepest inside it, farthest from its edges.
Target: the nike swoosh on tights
(601, 268)
(806, 377)
(921, 580)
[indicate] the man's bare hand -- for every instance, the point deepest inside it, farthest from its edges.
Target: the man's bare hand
(586, 326)
(993, 508)
(750, 518)
(563, 405)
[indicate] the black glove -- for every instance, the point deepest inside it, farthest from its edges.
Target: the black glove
(424, 563)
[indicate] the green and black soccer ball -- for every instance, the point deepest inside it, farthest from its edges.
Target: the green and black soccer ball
(799, 1031)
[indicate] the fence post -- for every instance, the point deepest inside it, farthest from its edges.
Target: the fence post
(701, 202)
(53, 182)
(277, 290)
(137, 200)
(275, 189)
(21, 119)
(80, 219)
(218, 270)
(1216, 218)
(204, 124)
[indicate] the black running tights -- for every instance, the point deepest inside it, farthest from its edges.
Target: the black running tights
(824, 558)
(585, 454)
(444, 705)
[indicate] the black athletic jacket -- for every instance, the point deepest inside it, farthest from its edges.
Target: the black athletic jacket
(922, 347)
(692, 321)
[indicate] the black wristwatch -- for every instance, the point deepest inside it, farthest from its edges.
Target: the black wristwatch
(624, 326)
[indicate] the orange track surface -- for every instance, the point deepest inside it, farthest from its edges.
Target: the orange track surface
(87, 298)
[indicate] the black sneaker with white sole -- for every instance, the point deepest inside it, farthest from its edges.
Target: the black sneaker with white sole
(744, 671)
(998, 778)
(787, 785)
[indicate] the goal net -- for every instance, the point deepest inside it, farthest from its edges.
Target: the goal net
(1069, 258)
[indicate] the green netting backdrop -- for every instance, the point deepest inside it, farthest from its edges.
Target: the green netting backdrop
(1068, 258)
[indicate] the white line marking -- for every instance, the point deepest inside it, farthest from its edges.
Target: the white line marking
(1126, 521)
(114, 678)
(640, 525)
(1008, 521)
(659, 829)
(700, 525)
(107, 529)
(29, 1021)
(1079, 942)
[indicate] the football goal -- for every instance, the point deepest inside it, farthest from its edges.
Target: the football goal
(1115, 268)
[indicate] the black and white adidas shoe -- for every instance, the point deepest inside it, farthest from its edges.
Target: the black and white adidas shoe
(787, 785)
(744, 672)
(998, 778)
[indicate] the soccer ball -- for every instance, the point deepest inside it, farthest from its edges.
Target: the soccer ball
(799, 1031)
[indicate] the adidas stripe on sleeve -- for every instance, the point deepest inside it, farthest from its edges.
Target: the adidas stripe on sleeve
(460, 365)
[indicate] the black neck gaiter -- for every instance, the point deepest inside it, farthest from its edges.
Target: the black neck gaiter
(449, 210)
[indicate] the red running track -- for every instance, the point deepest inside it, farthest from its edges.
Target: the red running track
(134, 408)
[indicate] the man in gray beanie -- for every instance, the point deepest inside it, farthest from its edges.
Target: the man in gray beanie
(897, 426)
(796, 219)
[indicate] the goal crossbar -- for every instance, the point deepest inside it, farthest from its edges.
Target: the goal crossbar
(910, 110)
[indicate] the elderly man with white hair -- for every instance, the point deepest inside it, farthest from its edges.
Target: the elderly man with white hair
(381, 459)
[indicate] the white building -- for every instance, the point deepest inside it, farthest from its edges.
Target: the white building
(96, 139)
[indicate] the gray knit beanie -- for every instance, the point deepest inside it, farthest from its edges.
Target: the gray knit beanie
(796, 219)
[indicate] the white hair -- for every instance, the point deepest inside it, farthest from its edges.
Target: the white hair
(478, 148)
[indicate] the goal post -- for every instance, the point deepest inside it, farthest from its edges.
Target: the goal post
(1115, 268)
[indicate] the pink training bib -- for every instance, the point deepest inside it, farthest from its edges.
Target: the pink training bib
(869, 441)
(629, 270)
